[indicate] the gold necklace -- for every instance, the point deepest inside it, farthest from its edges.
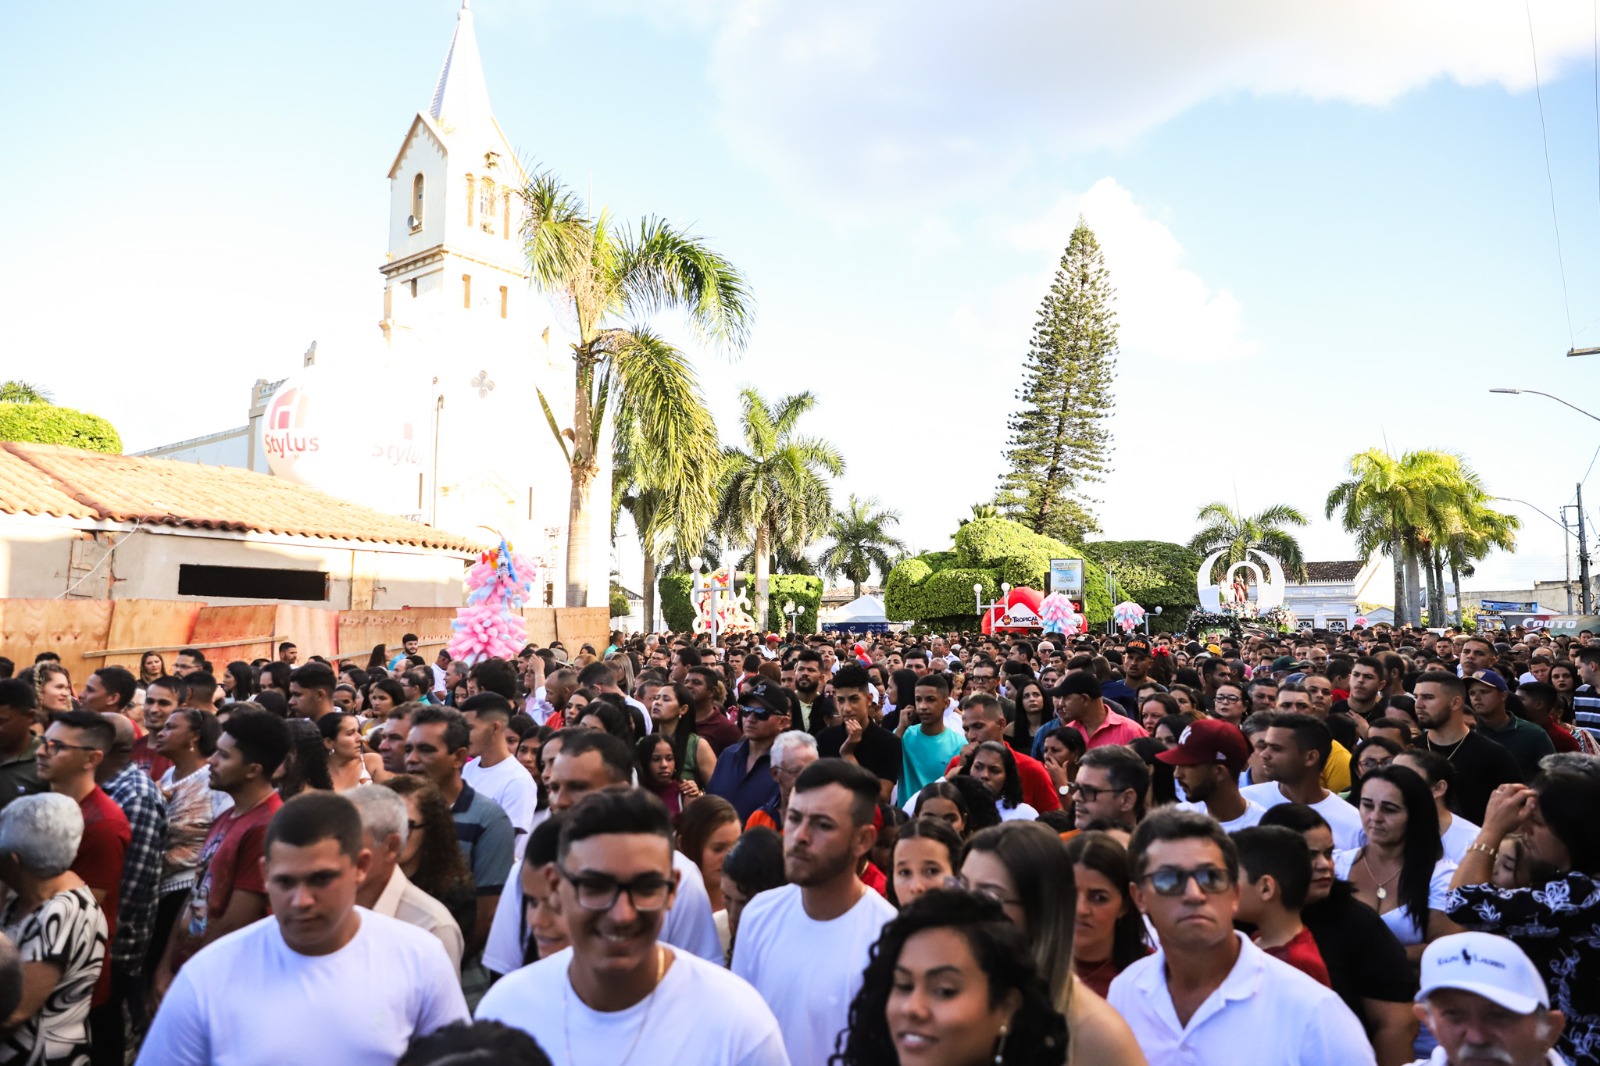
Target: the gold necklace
(1383, 893)
(644, 1023)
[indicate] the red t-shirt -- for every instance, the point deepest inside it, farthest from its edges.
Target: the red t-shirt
(106, 836)
(1302, 954)
(145, 758)
(230, 860)
(1038, 791)
(876, 880)
(1563, 740)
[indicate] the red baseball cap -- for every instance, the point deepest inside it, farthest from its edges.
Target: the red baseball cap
(1209, 740)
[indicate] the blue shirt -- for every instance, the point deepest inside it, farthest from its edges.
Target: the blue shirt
(748, 792)
(486, 838)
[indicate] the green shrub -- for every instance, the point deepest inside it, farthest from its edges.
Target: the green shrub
(1152, 573)
(619, 603)
(43, 423)
(992, 551)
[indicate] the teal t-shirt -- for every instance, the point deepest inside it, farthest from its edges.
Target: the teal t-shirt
(924, 757)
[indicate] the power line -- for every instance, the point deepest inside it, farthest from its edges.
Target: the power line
(1549, 175)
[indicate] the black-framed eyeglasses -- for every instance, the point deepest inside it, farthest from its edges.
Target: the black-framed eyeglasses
(1173, 880)
(597, 893)
(56, 747)
(416, 827)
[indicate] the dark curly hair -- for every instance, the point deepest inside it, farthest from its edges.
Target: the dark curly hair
(1037, 1035)
(442, 870)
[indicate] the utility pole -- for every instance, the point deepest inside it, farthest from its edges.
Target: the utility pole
(1583, 555)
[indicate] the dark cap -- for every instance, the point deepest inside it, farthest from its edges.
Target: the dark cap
(768, 697)
(1485, 677)
(1078, 683)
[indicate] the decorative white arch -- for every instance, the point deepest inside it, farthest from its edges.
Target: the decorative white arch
(1272, 595)
(1209, 595)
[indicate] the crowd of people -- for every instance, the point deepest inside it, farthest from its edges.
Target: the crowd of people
(945, 849)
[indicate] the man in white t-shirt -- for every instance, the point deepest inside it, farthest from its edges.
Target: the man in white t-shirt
(322, 980)
(587, 762)
(493, 772)
(618, 989)
(804, 946)
(1208, 994)
(1207, 761)
(1292, 751)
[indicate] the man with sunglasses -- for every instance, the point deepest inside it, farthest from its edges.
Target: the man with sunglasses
(1208, 992)
(619, 994)
(743, 775)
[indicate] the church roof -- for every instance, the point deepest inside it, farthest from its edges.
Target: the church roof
(43, 479)
(461, 97)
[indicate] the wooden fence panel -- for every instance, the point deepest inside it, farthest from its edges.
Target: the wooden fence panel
(312, 630)
(138, 626)
(572, 626)
(243, 631)
(67, 627)
(361, 631)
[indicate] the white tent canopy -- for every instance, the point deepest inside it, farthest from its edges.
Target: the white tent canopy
(862, 611)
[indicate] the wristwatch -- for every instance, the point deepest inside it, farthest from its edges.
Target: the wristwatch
(1064, 790)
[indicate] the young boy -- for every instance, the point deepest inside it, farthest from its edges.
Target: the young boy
(929, 745)
(1274, 877)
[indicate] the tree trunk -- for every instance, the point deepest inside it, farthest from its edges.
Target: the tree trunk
(763, 571)
(1455, 583)
(649, 590)
(581, 500)
(1438, 587)
(1397, 554)
(856, 585)
(1431, 587)
(1413, 586)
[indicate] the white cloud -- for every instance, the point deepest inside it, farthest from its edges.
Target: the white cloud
(897, 104)
(1164, 309)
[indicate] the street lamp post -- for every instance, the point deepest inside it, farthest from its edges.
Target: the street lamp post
(1566, 539)
(789, 611)
(1583, 540)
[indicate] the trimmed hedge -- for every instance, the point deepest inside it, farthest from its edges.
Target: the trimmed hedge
(936, 589)
(1152, 573)
(619, 604)
(44, 423)
(804, 590)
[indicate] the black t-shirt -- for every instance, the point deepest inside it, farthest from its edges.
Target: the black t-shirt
(878, 749)
(1364, 959)
(1481, 767)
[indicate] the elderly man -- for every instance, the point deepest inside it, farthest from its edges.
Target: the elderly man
(1485, 1002)
(792, 752)
(386, 889)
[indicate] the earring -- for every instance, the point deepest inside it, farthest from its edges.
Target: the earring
(1000, 1048)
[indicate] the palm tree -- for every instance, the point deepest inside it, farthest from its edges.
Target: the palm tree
(611, 277)
(676, 513)
(1394, 505)
(774, 492)
(23, 392)
(1232, 533)
(861, 541)
(1471, 531)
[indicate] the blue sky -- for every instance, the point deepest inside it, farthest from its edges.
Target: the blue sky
(1329, 223)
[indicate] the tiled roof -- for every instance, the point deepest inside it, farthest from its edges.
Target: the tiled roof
(847, 594)
(41, 479)
(1340, 571)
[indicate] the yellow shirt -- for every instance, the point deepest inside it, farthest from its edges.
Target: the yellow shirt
(1336, 771)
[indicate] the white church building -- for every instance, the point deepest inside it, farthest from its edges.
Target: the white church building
(465, 336)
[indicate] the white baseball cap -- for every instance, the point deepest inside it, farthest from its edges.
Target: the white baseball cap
(1489, 966)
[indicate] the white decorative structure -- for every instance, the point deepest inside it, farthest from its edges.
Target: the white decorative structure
(1270, 588)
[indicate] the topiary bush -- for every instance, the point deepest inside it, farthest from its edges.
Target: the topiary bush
(1152, 573)
(44, 423)
(990, 551)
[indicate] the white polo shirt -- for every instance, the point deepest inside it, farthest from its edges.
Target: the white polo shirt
(1262, 1004)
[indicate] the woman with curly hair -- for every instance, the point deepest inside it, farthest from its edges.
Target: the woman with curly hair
(431, 858)
(307, 764)
(951, 976)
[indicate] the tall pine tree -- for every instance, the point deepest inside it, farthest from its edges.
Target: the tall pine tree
(1060, 437)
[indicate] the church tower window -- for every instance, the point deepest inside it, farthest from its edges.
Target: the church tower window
(486, 204)
(472, 197)
(505, 231)
(416, 203)
(505, 300)
(466, 291)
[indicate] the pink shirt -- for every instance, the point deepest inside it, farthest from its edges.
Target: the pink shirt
(1116, 729)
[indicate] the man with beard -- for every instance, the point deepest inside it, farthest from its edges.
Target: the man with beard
(615, 880)
(392, 737)
(711, 722)
(825, 916)
(1481, 765)
(1207, 761)
(816, 710)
